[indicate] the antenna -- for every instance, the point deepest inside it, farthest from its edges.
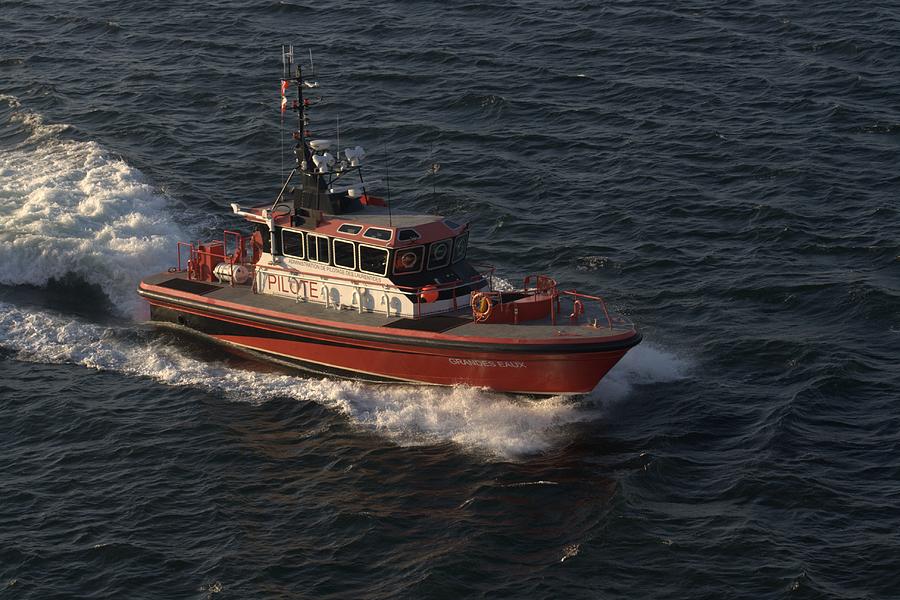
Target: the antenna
(434, 168)
(312, 68)
(287, 60)
(387, 177)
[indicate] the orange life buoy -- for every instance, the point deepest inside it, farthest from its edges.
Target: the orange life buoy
(408, 260)
(429, 293)
(256, 246)
(481, 306)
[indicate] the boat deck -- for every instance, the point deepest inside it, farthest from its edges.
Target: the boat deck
(456, 323)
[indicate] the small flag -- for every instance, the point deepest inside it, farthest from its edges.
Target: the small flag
(284, 86)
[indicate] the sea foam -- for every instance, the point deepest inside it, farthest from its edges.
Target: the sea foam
(70, 208)
(497, 425)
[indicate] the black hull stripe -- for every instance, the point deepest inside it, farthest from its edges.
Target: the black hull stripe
(393, 338)
(317, 369)
(216, 328)
(258, 354)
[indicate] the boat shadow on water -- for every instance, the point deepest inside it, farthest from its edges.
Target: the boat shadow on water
(68, 295)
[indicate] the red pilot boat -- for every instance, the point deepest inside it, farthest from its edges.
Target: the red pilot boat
(334, 281)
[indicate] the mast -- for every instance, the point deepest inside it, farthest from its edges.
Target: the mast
(302, 150)
(316, 168)
(311, 182)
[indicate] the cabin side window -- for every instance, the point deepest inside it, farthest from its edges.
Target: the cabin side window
(460, 245)
(344, 254)
(407, 235)
(349, 228)
(317, 248)
(373, 260)
(439, 254)
(409, 260)
(377, 233)
(292, 243)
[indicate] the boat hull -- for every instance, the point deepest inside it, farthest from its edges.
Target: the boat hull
(504, 368)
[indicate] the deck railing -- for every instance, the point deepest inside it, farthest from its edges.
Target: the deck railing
(578, 301)
(195, 252)
(532, 284)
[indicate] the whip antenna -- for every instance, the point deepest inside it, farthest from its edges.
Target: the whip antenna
(434, 168)
(287, 60)
(387, 178)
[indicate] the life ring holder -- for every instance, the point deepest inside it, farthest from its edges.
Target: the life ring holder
(481, 307)
(577, 310)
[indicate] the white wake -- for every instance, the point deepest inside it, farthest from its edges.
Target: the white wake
(502, 425)
(70, 208)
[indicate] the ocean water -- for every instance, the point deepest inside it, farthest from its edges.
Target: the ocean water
(726, 175)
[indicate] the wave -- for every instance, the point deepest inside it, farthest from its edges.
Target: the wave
(69, 207)
(71, 210)
(477, 420)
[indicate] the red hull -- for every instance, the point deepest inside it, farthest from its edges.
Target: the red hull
(405, 358)
(529, 374)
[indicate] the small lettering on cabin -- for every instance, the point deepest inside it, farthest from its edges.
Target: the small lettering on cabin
(470, 362)
(353, 275)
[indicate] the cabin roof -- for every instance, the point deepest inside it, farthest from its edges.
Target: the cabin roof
(379, 216)
(428, 227)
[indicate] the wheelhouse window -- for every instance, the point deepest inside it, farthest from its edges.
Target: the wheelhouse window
(378, 234)
(373, 260)
(292, 243)
(317, 248)
(409, 260)
(351, 229)
(344, 254)
(407, 235)
(439, 254)
(459, 247)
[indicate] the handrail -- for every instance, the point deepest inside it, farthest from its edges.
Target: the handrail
(578, 296)
(237, 254)
(190, 253)
(485, 272)
(193, 253)
(401, 288)
(543, 284)
(240, 256)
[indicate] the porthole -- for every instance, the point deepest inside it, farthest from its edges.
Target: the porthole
(439, 254)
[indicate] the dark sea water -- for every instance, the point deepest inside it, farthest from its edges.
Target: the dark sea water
(727, 175)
